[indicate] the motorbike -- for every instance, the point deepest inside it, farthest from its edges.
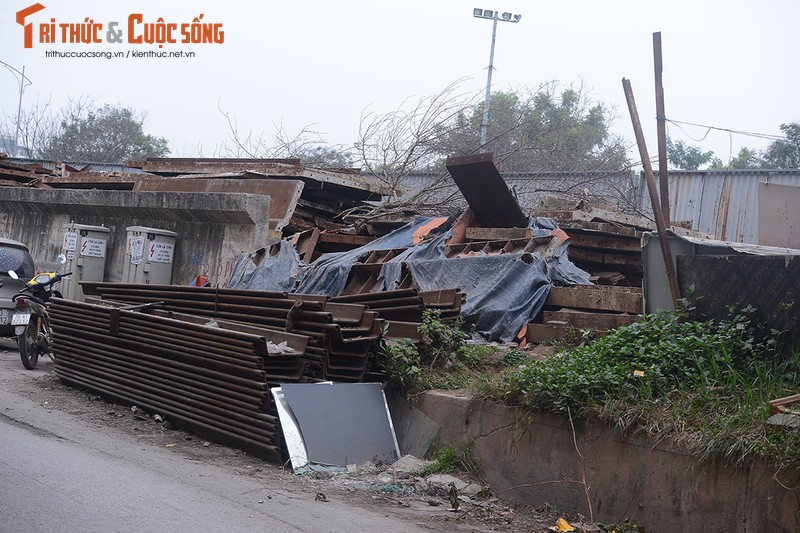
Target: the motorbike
(31, 322)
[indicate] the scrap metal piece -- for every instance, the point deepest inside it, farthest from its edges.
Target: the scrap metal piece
(486, 192)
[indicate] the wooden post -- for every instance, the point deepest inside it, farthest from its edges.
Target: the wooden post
(661, 122)
(651, 187)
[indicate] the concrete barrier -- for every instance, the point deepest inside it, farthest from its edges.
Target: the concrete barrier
(531, 458)
(213, 228)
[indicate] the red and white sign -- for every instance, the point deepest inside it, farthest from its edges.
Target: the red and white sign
(160, 252)
(93, 247)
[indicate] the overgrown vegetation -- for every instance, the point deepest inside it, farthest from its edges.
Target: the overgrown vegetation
(704, 382)
(449, 460)
(441, 360)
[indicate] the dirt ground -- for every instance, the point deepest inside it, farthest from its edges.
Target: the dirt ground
(425, 501)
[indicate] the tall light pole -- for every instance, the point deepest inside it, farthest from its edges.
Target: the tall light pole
(23, 81)
(493, 16)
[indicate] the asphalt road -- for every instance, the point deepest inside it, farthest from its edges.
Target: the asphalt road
(59, 474)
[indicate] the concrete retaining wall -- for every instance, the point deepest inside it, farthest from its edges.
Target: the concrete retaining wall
(651, 484)
(213, 228)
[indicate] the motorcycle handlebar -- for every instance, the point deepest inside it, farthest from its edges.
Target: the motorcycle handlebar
(60, 276)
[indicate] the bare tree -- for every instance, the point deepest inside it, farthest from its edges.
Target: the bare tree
(549, 129)
(37, 125)
(408, 139)
(308, 145)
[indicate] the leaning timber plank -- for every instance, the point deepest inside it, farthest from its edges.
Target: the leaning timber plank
(595, 321)
(600, 215)
(498, 234)
(601, 298)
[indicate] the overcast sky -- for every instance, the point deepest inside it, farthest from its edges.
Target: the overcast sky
(730, 64)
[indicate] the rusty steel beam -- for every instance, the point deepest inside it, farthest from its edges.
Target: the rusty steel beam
(182, 419)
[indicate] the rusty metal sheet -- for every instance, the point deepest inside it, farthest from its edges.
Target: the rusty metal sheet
(351, 180)
(98, 180)
(284, 194)
(486, 192)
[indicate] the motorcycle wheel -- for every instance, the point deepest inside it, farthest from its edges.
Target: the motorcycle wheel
(28, 350)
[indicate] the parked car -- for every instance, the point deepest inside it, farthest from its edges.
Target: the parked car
(15, 256)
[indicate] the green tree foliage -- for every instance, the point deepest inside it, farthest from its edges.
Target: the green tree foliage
(682, 156)
(745, 159)
(110, 134)
(548, 129)
(785, 153)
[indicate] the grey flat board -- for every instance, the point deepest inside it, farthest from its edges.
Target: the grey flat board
(343, 423)
(486, 191)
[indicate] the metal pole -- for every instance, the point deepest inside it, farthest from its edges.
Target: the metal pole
(19, 110)
(485, 121)
(651, 187)
(661, 124)
(19, 75)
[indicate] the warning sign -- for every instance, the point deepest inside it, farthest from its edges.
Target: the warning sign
(136, 249)
(70, 241)
(93, 247)
(161, 252)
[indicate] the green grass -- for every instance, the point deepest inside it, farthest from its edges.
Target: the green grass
(703, 383)
(449, 460)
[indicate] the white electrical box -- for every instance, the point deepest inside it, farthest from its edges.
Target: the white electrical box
(149, 255)
(85, 248)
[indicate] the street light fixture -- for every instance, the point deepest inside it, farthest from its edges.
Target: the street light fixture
(23, 82)
(494, 16)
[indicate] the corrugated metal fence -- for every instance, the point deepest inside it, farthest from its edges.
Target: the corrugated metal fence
(722, 203)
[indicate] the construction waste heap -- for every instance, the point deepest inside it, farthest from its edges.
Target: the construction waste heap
(317, 304)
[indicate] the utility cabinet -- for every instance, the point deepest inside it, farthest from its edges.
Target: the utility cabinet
(85, 248)
(149, 256)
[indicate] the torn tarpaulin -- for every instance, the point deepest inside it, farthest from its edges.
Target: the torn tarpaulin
(279, 272)
(504, 291)
(328, 274)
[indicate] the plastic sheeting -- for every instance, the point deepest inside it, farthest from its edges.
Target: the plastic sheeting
(328, 274)
(279, 272)
(504, 291)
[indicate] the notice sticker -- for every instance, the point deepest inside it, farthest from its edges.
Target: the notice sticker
(161, 252)
(70, 241)
(136, 249)
(93, 247)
